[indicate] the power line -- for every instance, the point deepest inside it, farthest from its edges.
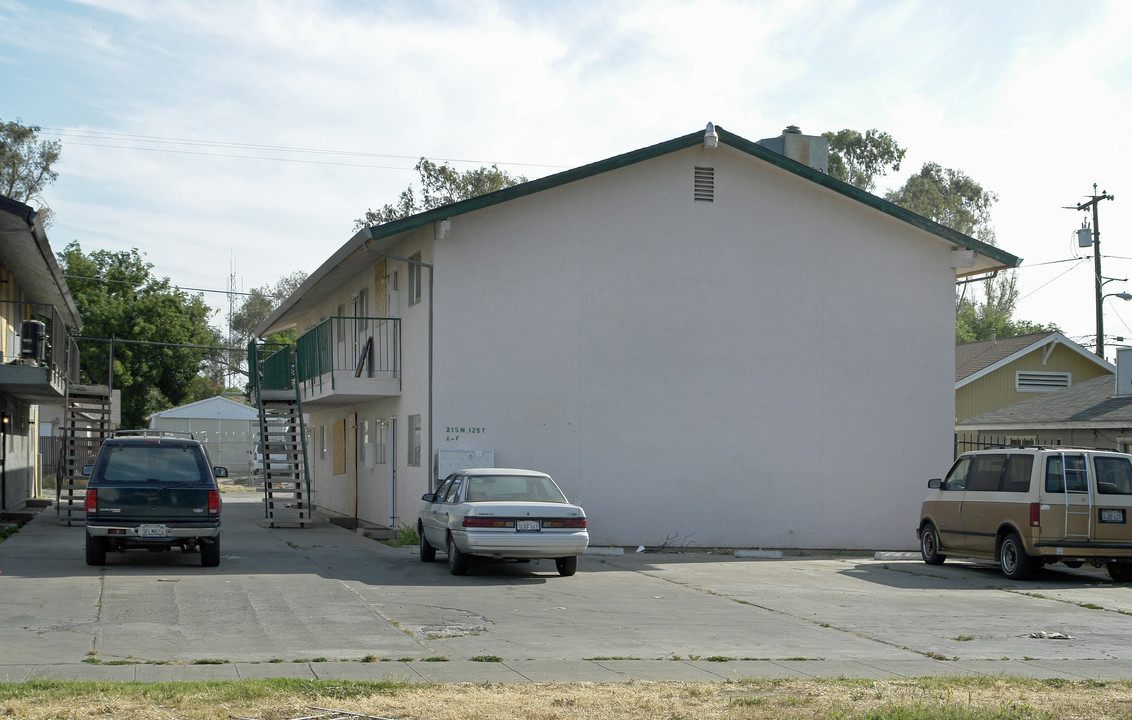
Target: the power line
(157, 139)
(127, 282)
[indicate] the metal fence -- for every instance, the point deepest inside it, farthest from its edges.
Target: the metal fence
(990, 442)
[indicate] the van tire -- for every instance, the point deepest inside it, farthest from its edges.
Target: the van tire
(1012, 558)
(929, 545)
(1120, 572)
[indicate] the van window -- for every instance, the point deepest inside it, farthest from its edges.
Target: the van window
(986, 473)
(1071, 477)
(957, 477)
(1017, 475)
(1114, 475)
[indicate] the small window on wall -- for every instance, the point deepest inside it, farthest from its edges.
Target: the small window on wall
(365, 440)
(415, 278)
(382, 433)
(414, 440)
(322, 442)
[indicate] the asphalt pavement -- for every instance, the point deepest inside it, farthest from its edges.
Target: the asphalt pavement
(329, 603)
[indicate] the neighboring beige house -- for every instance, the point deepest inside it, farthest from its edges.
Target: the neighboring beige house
(707, 341)
(993, 374)
(38, 358)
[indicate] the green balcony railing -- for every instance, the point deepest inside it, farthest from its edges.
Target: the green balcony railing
(279, 370)
(356, 347)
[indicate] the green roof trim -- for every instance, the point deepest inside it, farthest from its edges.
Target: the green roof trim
(686, 141)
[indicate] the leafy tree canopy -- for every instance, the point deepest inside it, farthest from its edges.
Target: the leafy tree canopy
(950, 198)
(859, 159)
(440, 185)
(25, 161)
(125, 301)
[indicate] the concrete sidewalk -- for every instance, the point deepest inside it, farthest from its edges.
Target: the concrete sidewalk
(548, 671)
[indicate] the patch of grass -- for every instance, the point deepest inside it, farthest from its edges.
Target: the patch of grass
(611, 657)
(435, 658)
(404, 536)
(7, 530)
(1090, 606)
(486, 658)
(369, 658)
(211, 661)
(937, 656)
(319, 659)
(964, 638)
(718, 658)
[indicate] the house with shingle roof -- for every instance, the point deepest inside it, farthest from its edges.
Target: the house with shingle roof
(1088, 414)
(990, 374)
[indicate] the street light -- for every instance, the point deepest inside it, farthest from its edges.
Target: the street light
(1122, 296)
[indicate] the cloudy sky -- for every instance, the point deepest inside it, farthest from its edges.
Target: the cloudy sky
(226, 137)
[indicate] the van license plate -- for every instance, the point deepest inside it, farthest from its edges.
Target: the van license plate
(1112, 516)
(527, 526)
(154, 531)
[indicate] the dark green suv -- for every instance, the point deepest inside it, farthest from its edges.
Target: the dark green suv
(153, 490)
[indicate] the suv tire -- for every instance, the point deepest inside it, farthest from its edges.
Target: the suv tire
(210, 552)
(95, 550)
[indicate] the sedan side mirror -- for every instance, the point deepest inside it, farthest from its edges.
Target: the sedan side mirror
(429, 497)
(935, 483)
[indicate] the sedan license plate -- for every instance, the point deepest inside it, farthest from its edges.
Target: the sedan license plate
(154, 531)
(527, 526)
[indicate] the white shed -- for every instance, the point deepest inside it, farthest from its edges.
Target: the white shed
(226, 427)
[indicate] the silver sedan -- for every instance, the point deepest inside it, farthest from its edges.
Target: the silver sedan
(501, 513)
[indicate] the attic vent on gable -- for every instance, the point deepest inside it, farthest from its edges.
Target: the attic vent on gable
(1037, 381)
(703, 184)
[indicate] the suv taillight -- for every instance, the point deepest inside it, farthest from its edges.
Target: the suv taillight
(91, 504)
(214, 502)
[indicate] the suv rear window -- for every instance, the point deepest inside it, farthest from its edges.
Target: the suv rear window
(150, 463)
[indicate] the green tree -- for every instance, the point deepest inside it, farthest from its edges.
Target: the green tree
(118, 297)
(952, 198)
(25, 161)
(440, 185)
(859, 159)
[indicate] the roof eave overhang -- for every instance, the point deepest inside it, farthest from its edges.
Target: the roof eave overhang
(29, 256)
(1019, 425)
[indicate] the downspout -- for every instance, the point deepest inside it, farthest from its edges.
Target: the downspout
(428, 266)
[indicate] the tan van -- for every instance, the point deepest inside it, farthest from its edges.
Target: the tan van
(1024, 507)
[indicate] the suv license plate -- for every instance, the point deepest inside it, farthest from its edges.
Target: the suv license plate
(527, 526)
(155, 531)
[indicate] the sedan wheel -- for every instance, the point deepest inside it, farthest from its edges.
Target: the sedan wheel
(457, 561)
(428, 552)
(567, 566)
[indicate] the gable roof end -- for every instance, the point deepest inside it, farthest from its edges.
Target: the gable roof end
(992, 258)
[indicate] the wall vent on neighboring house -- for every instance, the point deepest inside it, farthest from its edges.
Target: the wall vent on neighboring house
(703, 187)
(1039, 381)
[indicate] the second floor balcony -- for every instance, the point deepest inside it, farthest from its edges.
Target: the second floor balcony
(40, 358)
(347, 360)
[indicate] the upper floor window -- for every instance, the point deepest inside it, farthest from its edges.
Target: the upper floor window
(415, 278)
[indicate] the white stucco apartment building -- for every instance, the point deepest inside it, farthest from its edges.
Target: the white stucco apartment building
(705, 342)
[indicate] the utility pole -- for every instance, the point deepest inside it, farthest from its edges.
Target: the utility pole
(1092, 203)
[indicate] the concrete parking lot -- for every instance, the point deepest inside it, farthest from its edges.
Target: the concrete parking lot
(305, 602)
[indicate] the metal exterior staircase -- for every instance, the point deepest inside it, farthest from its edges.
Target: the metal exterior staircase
(286, 477)
(86, 423)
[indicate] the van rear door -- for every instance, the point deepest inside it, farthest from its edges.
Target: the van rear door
(1113, 501)
(1066, 505)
